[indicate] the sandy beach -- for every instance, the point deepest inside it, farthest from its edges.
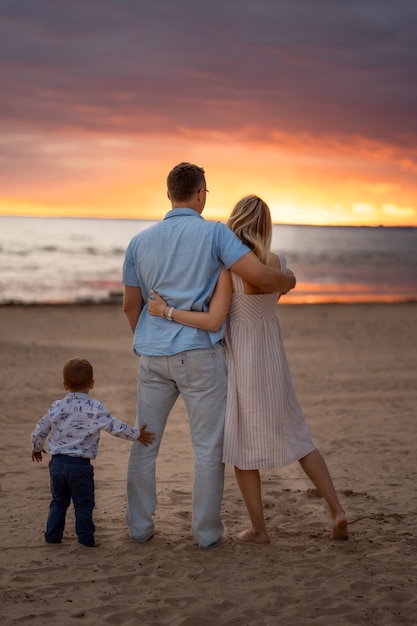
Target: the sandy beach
(354, 368)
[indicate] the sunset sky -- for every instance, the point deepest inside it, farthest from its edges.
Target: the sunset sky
(310, 104)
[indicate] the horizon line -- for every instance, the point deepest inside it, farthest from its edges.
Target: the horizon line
(145, 219)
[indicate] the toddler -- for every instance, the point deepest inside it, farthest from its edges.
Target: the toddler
(73, 425)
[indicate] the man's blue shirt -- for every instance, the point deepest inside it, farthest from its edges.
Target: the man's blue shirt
(180, 258)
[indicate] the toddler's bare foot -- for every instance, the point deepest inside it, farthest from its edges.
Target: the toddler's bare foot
(249, 536)
(340, 530)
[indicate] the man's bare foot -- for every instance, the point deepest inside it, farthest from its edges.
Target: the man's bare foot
(340, 530)
(249, 536)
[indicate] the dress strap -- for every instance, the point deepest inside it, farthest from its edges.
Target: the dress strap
(237, 283)
(283, 261)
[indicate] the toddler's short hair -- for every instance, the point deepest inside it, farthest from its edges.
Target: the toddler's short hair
(77, 373)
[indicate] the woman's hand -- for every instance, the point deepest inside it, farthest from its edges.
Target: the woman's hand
(156, 304)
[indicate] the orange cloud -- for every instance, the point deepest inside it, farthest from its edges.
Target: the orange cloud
(304, 180)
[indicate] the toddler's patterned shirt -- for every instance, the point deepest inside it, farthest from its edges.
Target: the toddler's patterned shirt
(74, 424)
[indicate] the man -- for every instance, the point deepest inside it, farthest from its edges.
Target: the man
(181, 258)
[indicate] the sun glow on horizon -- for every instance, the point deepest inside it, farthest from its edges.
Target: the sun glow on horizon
(309, 181)
(281, 213)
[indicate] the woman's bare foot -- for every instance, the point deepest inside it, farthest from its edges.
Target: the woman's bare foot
(340, 530)
(250, 536)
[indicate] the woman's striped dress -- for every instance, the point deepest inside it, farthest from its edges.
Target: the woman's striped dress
(264, 424)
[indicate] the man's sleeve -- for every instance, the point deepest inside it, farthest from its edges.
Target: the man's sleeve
(129, 275)
(230, 248)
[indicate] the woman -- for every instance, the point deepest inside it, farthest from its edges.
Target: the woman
(264, 424)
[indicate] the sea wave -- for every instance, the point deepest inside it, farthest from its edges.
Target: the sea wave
(47, 260)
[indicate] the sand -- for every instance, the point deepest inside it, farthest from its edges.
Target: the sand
(354, 368)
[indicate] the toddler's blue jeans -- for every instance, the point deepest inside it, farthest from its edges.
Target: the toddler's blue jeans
(72, 478)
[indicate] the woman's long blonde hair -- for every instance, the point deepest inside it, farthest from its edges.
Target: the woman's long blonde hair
(251, 221)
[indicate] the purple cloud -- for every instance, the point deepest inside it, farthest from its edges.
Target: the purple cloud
(136, 67)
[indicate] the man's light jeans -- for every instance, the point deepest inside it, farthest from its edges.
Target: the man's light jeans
(200, 377)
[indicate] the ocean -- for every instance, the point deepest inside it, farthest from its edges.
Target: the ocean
(72, 260)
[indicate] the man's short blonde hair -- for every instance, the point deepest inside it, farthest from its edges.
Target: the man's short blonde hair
(184, 180)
